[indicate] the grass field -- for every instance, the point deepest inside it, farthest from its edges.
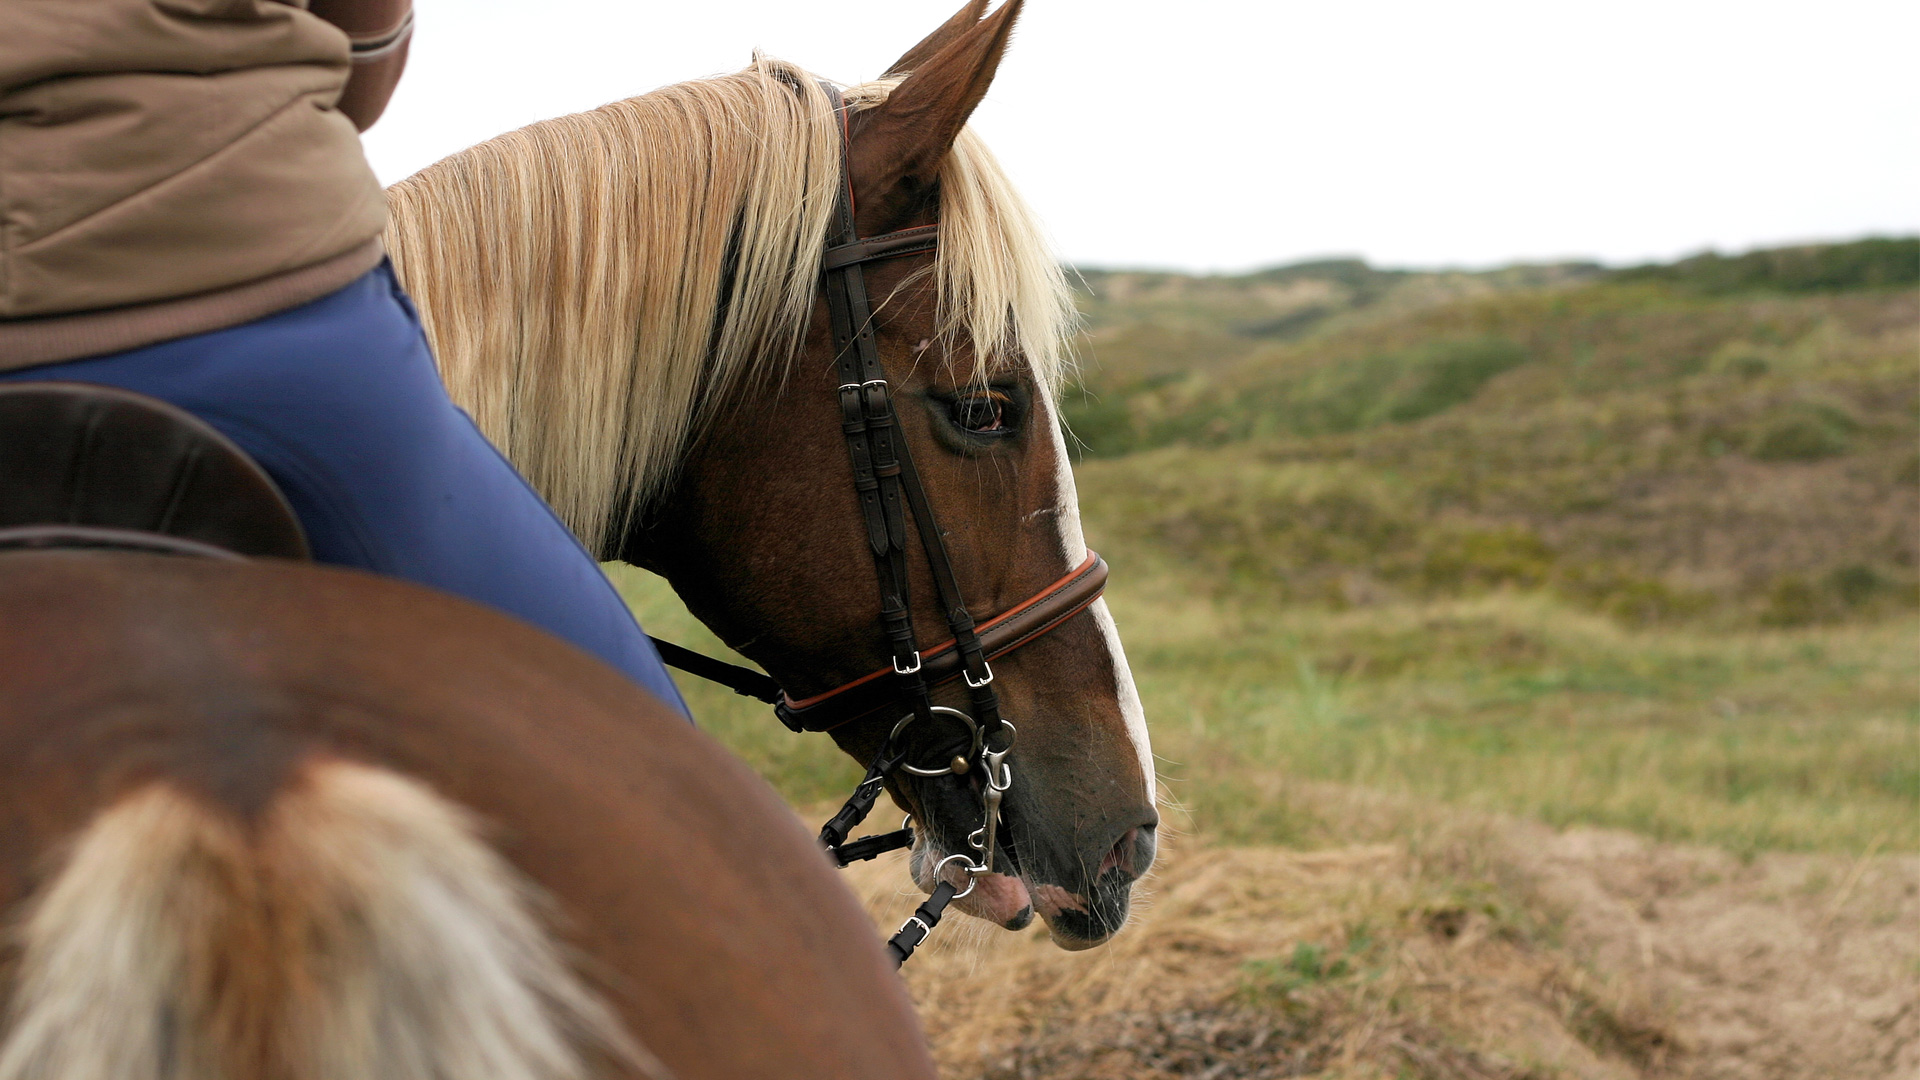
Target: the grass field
(1798, 739)
(1749, 740)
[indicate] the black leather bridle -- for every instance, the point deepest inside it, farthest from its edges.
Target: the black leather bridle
(888, 489)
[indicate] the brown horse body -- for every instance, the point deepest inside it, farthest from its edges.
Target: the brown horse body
(238, 733)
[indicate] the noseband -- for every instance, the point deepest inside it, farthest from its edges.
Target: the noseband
(888, 489)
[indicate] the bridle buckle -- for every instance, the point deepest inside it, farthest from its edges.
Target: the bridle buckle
(898, 670)
(984, 680)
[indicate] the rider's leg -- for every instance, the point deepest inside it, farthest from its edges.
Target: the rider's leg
(339, 401)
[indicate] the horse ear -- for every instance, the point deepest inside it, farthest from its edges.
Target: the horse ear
(962, 21)
(899, 144)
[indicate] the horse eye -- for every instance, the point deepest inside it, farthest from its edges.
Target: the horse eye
(982, 414)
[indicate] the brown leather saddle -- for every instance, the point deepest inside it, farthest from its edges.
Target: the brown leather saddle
(85, 466)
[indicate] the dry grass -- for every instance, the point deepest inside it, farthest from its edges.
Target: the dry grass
(1468, 947)
(1263, 962)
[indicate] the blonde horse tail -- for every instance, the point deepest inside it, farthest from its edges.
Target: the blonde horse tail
(357, 929)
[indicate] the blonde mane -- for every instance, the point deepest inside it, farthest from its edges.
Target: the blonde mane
(595, 285)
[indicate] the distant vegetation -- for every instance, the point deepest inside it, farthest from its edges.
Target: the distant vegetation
(1726, 438)
(1868, 264)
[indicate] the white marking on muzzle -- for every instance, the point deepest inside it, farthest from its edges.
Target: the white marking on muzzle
(1073, 545)
(1130, 707)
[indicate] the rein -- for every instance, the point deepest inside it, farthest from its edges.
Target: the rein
(888, 489)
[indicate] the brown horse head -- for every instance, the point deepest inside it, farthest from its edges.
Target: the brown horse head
(751, 511)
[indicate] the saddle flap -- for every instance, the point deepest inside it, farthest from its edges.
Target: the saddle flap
(102, 458)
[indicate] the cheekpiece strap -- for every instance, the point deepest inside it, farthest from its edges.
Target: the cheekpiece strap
(885, 479)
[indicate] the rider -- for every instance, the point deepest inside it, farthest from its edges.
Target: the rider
(185, 212)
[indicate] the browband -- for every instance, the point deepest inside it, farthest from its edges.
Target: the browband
(1005, 632)
(885, 246)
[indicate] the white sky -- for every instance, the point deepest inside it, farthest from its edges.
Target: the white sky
(1223, 134)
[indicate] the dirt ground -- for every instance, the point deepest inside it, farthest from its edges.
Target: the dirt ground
(1475, 949)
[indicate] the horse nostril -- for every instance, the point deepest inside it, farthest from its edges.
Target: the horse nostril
(1124, 855)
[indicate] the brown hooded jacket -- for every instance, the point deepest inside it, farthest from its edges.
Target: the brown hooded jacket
(171, 167)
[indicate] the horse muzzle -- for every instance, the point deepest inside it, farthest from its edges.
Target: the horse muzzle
(1082, 889)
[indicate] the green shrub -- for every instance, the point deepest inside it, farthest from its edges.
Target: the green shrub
(1857, 585)
(1908, 471)
(1799, 439)
(1804, 431)
(1801, 600)
(1337, 399)
(1456, 561)
(1793, 601)
(1351, 394)
(1742, 359)
(1865, 264)
(1449, 373)
(1276, 980)
(1100, 425)
(1628, 597)
(1389, 388)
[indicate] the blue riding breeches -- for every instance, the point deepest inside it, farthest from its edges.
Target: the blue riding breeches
(339, 401)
